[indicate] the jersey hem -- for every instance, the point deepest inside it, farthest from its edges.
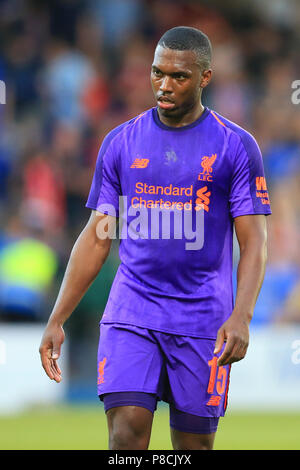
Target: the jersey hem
(117, 390)
(237, 214)
(162, 330)
(192, 412)
(92, 207)
(204, 415)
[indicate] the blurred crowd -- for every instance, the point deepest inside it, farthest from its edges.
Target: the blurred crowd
(73, 70)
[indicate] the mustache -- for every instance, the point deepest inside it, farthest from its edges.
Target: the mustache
(163, 97)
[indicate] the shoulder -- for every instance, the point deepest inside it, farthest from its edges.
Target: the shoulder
(241, 135)
(117, 133)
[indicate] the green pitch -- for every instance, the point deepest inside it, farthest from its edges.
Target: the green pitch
(85, 428)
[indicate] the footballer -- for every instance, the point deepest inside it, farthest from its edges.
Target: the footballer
(171, 328)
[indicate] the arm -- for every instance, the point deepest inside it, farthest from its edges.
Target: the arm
(252, 237)
(87, 257)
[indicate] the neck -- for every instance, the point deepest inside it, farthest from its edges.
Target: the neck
(183, 120)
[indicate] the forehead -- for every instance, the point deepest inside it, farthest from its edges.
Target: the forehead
(170, 59)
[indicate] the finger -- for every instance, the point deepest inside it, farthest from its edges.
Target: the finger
(219, 341)
(48, 370)
(56, 367)
(241, 352)
(237, 352)
(223, 359)
(46, 364)
(56, 374)
(54, 356)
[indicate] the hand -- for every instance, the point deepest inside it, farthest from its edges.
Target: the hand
(49, 350)
(235, 332)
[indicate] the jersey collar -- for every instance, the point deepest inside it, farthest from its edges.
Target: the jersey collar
(178, 129)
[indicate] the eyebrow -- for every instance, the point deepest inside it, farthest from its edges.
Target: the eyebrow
(174, 74)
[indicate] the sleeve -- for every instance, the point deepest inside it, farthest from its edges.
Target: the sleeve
(105, 188)
(248, 191)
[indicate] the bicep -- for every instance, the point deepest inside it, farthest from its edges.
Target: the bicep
(251, 229)
(100, 230)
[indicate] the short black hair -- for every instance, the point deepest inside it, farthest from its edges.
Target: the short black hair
(185, 38)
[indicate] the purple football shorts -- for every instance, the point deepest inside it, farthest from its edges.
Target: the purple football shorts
(152, 365)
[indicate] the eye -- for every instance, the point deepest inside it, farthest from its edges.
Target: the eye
(180, 77)
(156, 72)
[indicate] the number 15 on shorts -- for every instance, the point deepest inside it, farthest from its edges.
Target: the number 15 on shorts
(217, 383)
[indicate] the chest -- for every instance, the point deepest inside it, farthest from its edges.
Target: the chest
(174, 164)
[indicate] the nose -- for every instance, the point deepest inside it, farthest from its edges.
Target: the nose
(166, 84)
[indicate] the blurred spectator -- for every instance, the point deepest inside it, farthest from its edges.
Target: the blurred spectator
(23, 63)
(64, 80)
(117, 18)
(43, 201)
(27, 270)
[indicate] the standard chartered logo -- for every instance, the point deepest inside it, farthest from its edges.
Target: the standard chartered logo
(159, 196)
(157, 222)
(2, 92)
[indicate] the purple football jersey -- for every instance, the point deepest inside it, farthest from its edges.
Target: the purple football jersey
(149, 174)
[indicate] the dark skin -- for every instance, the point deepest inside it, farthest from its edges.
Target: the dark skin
(176, 76)
(177, 82)
(251, 232)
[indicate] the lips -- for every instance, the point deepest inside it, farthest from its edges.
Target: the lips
(165, 103)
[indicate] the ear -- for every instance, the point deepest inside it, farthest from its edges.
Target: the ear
(205, 78)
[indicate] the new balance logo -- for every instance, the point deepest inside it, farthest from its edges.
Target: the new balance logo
(140, 163)
(214, 400)
(202, 201)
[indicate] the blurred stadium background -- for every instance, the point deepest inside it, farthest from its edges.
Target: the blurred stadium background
(73, 70)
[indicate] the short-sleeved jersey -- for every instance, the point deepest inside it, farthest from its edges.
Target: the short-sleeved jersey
(212, 169)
